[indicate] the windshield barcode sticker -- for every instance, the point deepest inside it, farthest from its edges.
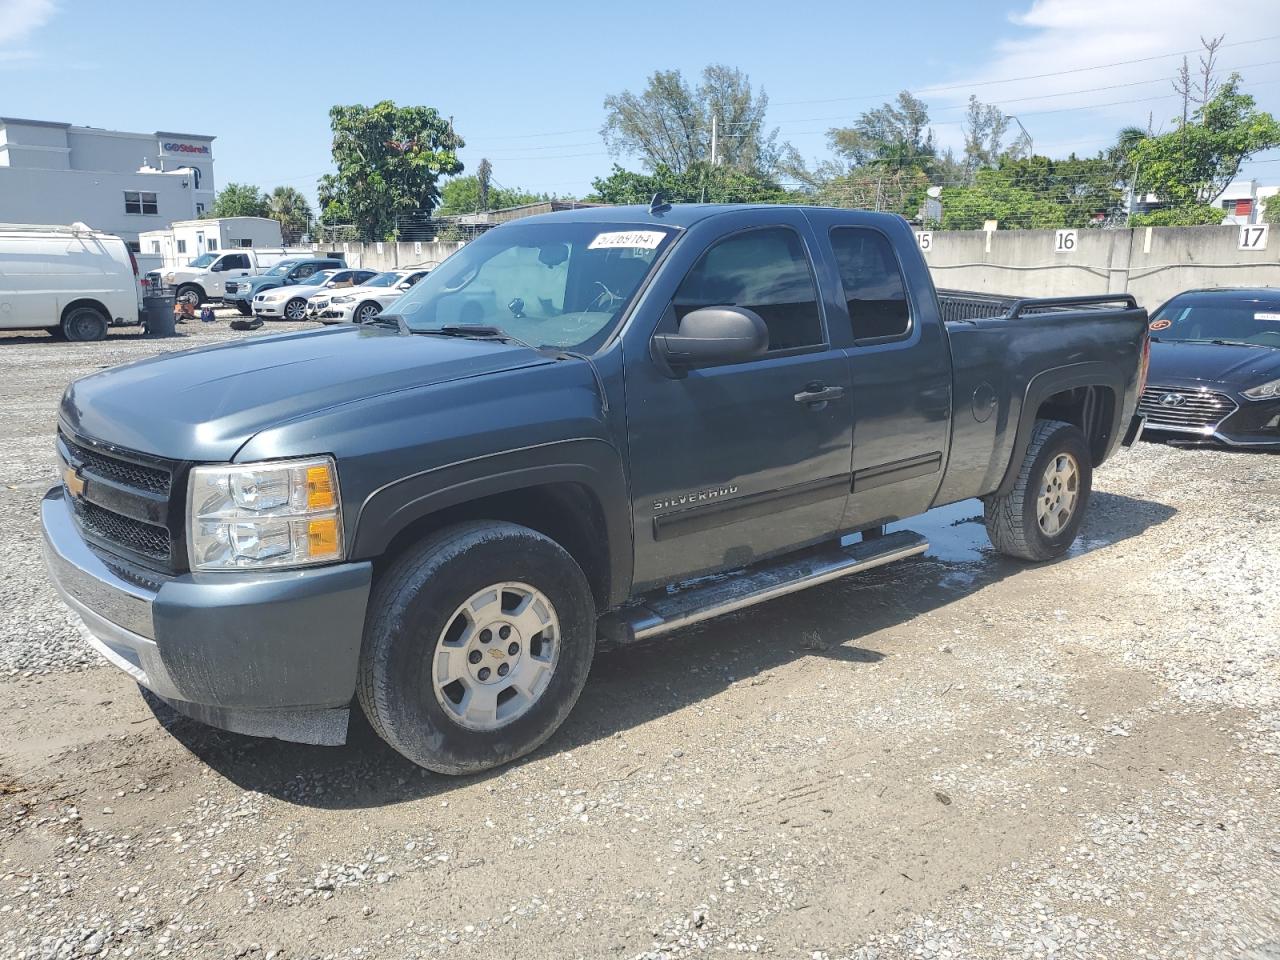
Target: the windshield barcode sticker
(1266, 316)
(632, 239)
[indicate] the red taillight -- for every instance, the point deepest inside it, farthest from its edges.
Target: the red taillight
(1145, 364)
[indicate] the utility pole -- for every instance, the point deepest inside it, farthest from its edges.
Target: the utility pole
(714, 142)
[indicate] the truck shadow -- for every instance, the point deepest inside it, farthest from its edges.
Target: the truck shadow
(632, 685)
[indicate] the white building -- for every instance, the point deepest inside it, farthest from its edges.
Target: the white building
(185, 240)
(117, 182)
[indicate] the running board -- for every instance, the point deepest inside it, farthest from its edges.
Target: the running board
(663, 612)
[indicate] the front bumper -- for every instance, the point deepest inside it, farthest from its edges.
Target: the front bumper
(1240, 422)
(269, 308)
(264, 654)
(337, 313)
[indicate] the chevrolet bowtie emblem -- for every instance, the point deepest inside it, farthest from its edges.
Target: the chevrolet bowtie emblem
(73, 481)
(495, 653)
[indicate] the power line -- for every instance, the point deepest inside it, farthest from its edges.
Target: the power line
(1034, 76)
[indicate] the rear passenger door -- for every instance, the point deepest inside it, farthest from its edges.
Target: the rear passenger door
(900, 371)
(732, 463)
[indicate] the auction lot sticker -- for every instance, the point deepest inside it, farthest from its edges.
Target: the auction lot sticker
(631, 239)
(1162, 324)
(1266, 316)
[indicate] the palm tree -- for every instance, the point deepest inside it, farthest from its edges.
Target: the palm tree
(290, 207)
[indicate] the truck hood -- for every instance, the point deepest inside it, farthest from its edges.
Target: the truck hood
(1235, 366)
(205, 404)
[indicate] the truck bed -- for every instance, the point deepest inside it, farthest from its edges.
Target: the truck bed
(995, 340)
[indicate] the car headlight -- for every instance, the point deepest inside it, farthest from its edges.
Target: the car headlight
(343, 299)
(282, 513)
(1263, 391)
(170, 277)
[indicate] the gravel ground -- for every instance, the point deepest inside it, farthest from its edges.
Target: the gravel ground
(955, 756)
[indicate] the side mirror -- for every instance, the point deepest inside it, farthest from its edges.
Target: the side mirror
(403, 285)
(712, 337)
(217, 267)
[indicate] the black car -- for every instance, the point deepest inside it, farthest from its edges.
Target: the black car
(1215, 369)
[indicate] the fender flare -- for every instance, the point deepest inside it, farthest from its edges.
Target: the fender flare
(591, 462)
(1044, 385)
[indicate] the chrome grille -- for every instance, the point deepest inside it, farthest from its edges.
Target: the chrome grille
(1187, 409)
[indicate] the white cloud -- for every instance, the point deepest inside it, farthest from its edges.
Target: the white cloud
(1100, 35)
(18, 20)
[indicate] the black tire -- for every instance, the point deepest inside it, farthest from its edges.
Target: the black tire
(366, 311)
(411, 606)
(1013, 522)
(295, 310)
(246, 310)
(190, 293)
(83, 324)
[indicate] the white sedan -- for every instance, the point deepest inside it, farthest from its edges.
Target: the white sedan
(361, 304)
(291, 302)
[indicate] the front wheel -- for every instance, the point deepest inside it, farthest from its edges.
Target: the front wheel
(477, 644)
(366, 312)
(295, 309)
(1040, 517)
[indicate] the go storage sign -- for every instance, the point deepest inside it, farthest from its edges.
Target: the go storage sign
(176, 146)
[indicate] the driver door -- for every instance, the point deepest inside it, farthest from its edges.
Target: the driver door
(733, 463)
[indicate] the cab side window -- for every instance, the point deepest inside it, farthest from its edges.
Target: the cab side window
(765, 270)
(304, 271)
(873, 287)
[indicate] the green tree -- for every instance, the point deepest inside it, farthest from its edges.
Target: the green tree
(700, 183)
(984, 128)
(669, 123)
(462, 195)
(288, 206)
(1187, 215)
(1035, 193)
(1271, 209)
(1192, 165)
(239, 200)
(389, 160)
(896, 133)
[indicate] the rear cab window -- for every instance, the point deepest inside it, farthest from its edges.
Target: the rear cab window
(874, 290)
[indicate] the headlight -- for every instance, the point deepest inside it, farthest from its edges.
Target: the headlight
(169, 277)
(343, 299)
(1264, 391)
(282, 513)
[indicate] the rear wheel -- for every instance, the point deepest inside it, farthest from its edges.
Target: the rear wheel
(190, 293)
(1040, 517)
(366, 312)
(81, 324)
(295, 309)
(477, 644)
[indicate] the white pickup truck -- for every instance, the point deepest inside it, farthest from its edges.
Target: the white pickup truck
(205, 277)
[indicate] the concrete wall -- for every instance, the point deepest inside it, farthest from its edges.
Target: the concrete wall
(390, 256)
(1152, 263)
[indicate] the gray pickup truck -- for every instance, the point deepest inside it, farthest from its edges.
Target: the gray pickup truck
(552, 440)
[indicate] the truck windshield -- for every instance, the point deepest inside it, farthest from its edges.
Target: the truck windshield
(551, 284)
(1217, 319)
(204, 260)
(281, 268)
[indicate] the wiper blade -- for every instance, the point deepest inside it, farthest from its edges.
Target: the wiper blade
(476, 331)
(384, 320)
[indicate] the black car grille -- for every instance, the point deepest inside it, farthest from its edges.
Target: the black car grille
(125, 505)
(130, 474)
(232, 288)
(1191, 409)
(138, 537)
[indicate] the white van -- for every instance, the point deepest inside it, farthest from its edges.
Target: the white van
(73, 281)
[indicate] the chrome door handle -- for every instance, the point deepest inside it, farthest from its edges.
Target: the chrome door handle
(818, 392)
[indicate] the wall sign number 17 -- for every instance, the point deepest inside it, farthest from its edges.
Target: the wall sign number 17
(1253, 236)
